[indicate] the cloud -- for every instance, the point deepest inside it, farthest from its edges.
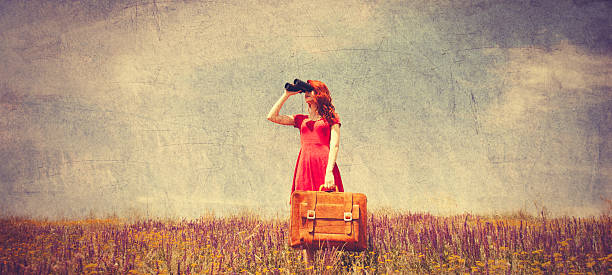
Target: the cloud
(538, 81)
(549, 128)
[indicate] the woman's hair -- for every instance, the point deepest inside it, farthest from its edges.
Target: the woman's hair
(324, 102)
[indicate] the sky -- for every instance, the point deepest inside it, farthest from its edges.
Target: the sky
(158, 108)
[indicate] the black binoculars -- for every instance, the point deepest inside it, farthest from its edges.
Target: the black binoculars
(298, 85)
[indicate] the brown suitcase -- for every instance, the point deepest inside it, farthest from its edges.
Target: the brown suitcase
(328, 219)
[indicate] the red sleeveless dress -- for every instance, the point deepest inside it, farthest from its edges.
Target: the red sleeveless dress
(312, 160)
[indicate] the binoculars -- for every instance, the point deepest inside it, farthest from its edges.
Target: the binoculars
(298, 85)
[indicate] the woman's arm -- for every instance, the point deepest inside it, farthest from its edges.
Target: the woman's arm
(334, 142)
(273, 114)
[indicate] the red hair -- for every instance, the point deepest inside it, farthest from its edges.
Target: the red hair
(324, 102)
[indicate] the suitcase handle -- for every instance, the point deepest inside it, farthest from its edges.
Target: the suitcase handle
(321, 188)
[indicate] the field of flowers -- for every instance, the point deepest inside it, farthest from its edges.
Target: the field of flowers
(398, 243)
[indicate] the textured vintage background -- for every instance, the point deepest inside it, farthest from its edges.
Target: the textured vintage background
(158, 108)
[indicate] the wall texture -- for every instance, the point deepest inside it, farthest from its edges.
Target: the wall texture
(158, 108)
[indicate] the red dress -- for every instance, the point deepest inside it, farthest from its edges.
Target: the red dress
(311, 164)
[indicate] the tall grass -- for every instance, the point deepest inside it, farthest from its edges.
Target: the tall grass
(397, 243)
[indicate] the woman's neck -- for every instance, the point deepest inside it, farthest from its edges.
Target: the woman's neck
(313, 112)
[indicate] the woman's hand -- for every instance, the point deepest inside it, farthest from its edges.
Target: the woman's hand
(329, 181)
(289, 93)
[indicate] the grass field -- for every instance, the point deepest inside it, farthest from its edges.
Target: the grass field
(246, 244)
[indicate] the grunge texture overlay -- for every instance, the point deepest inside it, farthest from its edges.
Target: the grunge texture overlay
(158, 108)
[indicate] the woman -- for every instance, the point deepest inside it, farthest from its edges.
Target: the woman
(319, 137)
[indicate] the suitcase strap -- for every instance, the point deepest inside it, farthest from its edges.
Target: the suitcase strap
(311, 216)
(348, 213)
(310, 220)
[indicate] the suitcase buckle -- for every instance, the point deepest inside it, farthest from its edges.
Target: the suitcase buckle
(348, 216)
(310, 215)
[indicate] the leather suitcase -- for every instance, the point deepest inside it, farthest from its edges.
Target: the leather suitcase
(328, 219)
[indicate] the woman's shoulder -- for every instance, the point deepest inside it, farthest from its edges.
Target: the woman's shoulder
(333, 121)
(300, 116)
(336, 120)
(297, 120)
